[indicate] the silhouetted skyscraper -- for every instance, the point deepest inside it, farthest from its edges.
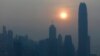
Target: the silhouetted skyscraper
(52, 32)
(10, 43)
(52, 41)
(83, 44)
(5, 41)
(69, 49)
(4, 30)
(59, 45)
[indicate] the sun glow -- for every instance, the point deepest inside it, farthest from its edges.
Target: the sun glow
(63, 15)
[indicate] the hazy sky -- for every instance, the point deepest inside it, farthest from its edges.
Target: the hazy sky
(33, 17)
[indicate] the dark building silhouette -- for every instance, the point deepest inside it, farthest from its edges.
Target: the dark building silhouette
(43, 47)
(84, 41)
(17, 46)
(52, 32)
(10, 43)
(6, 43)
(69, 49)
(59, 45)
(3, 42)
(52, 49)
(24, 46)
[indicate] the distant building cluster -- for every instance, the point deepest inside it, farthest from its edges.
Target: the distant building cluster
(52, 46)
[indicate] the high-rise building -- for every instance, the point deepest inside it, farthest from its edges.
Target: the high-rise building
(10, 43)
(59, 46)
(4, 30)
(52, 32)
(84, 41)
(52, 41)
(69, 49)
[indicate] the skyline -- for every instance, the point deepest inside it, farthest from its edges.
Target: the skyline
(33, 24)
(53, 46)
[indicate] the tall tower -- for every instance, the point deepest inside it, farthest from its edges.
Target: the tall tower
(52, 41)
(52, 32)
(69, 49)
(83, 43)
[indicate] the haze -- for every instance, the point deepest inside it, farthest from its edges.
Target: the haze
(33, 17)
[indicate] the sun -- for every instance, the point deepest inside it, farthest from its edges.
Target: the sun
(63, 15)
